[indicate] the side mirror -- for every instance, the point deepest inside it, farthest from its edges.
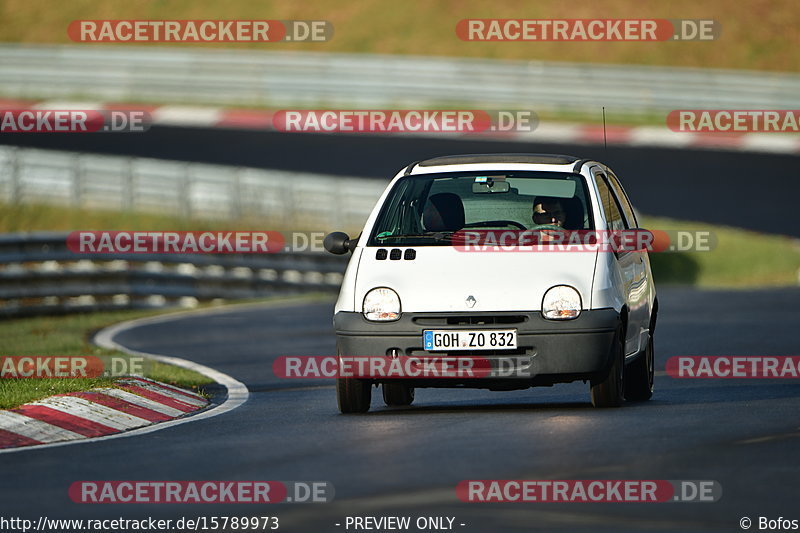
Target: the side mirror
(338, 243)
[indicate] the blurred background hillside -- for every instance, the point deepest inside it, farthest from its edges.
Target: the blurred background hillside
(756, 34)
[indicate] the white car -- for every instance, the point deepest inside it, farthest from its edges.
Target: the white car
(550, 314)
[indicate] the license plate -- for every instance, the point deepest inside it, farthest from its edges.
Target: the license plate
(465, 339)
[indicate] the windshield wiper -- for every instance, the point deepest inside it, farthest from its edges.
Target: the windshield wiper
(438, 236)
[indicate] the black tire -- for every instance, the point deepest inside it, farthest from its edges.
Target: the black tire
(397, 394)
(354, 395)
(639, 375)
(610, 391)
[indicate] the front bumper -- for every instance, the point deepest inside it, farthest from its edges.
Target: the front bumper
(548, 351)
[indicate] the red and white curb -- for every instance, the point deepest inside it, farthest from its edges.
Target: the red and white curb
(546, 132)
(237, 393)
(137, 402)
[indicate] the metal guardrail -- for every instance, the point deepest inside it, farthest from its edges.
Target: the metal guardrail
(297, 79)
(40, 275)
(278, 199)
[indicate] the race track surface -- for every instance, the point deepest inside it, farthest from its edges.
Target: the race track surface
(406, 462)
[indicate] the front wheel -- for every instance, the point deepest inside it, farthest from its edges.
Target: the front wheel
(610, 391)
(353, 395)
(397, 394)
(639, 375)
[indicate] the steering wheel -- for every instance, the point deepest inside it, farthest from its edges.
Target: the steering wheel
(550, 227)
(490, 223)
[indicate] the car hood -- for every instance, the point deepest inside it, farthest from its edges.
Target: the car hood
(442, 278)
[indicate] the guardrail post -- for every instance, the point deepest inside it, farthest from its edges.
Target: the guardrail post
(337, 206)
(185, 192)
(289, 207)
(128, 186)
(236, 194)
(77, 181)
(16, 178)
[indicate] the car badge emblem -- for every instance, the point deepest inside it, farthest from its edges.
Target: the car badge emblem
(471, 301)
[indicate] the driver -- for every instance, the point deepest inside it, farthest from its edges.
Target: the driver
(548, 211)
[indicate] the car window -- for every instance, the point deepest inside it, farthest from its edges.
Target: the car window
(420, 209)
(611, 210)
(624, 203)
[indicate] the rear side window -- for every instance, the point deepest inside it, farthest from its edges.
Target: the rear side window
(611, 209)
(624, 203)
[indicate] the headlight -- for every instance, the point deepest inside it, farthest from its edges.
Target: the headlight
(561, 302)
(381, 304)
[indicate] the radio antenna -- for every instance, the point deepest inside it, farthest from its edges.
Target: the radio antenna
(605, 141)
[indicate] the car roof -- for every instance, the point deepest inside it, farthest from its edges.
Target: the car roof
(496, 162)
(471, 159)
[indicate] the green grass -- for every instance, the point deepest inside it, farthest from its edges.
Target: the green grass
(756, 34)
(15, 392)
(741, 258)
(69, 336)
(42, 217)
(46, 217)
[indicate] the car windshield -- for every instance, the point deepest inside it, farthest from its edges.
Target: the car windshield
(426, 209)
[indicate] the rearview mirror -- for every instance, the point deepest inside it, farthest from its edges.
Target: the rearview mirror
(490, 187)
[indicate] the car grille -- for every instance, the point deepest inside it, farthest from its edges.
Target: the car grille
(469, 320)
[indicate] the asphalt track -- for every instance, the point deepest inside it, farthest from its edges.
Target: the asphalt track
(406, 462)
(751, 190)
